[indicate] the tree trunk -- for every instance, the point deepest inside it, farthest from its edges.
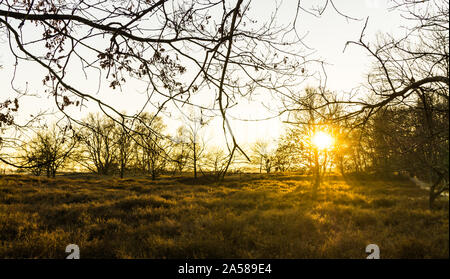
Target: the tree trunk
(341, 167)
(431, 199)
(121, 169)
(153, 170)
(316, 178)
(433, 194)
(195, 162)
(260, 164)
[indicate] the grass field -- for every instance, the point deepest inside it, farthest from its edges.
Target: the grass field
(248, 216)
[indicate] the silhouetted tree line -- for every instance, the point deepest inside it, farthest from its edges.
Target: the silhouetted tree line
(104, 147)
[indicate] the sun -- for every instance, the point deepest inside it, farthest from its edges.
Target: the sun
(322, 140)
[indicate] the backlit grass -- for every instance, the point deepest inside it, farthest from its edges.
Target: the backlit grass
(247, 216)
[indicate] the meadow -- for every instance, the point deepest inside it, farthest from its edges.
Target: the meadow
(244, 216)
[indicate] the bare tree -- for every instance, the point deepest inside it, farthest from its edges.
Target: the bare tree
(310, 118)
(98, 146)
(263, 155)
(283, 156)
(180, 151)
(124, 141)
(48, 150)
(194, 138)
(153, 148)
(216, 161)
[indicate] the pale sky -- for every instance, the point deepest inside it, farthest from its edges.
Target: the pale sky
(327, 35)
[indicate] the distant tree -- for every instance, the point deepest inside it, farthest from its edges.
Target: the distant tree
(282, 159)
(152, 146)
(98, 148)
(193, 137)
(312, 117)
(216, 161)
(354, 150)
(262, 154)
(124, 141)
(49, 150)
(180, 151)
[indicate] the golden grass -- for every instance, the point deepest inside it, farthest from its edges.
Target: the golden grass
(247, 216)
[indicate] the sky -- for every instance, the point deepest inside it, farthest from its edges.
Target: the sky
(327, 35)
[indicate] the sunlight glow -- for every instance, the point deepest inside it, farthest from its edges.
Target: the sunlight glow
(322, 140)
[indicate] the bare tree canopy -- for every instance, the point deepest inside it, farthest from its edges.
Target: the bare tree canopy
(417, 60)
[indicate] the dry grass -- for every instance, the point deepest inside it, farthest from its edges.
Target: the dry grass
(251, 216)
